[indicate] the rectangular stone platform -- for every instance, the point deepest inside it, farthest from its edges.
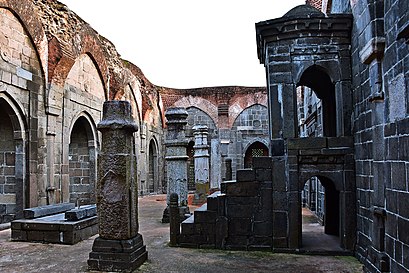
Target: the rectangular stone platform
(68, 227)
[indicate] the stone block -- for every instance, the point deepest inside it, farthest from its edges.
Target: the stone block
(206, 228)
(277, 147)
(81, 213)
(212, 201)
(248, 189)
(263, 175)
(35, 236)
(241, 201)
(205, 216)
(306, 143)
(236, 242)
(280, 242)
(222, 228)
(240, 226)
(52, 236)
(240, 211)
(225, 184)
(263, 228)
(260, 243)
(262, 162)
(18, 235)
(343, 141)
(403, 227)
(36, 212)
(280, 224)
(246, 175)
(280, 201)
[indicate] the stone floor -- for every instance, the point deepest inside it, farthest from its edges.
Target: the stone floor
(33, 257)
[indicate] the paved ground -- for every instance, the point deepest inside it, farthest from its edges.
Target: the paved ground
(33, 257)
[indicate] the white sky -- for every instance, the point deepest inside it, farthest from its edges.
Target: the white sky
(186, 43)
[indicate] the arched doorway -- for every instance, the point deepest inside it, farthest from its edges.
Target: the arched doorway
(153, 168)
(191, 166)
(316, 104)
(12, 162)
(81, 157)
(320, 215)
(256, 149)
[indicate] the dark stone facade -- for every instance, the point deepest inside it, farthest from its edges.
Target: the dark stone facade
(356, 59)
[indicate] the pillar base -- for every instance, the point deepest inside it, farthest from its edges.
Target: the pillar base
(183, 211)
(117, 255)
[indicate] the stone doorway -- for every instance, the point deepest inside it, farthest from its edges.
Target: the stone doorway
(320, 216)
(256, 149)
(153, 168)
(82, 169)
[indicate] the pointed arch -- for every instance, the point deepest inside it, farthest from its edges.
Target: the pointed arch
(13, 159)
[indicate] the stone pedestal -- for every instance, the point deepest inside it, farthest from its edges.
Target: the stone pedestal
(176, 159)
(201, 156)
(119, 246)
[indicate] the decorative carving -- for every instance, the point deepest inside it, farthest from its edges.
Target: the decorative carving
(5, 55)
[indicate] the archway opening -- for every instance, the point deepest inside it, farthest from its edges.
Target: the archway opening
(256, 149)
(7, 166)
(153, 183)
(316, 103)
(191, 166)
(82, 163)
(320, 215)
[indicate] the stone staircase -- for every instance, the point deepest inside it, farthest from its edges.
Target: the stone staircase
(237, 217)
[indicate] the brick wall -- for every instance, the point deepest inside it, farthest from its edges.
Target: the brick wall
(315, 3)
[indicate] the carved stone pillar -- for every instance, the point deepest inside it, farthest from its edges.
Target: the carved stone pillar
(201, 156)
(176, 159)
(119, 246)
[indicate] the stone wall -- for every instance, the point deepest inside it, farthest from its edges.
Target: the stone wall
(381, 88)
(55, 73)
(7, 169)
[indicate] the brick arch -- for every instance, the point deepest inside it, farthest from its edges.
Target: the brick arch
(205, 105)
(136, 95)
(23, 10)
(61, 60)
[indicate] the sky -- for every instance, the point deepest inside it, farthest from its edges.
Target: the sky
(186, 43)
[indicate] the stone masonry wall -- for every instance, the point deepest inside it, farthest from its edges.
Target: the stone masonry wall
(381, 131)
(7, 169)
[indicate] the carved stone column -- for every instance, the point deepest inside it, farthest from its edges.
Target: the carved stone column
(119, 246)
(201, 156)
(176, 159)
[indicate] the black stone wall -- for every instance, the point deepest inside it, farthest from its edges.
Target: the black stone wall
(380, 86)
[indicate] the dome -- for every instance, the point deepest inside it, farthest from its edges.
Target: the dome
(304, 11)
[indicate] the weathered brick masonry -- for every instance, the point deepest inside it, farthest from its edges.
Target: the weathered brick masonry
(55, 74)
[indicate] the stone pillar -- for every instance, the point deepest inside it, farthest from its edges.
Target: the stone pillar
(119, 246)
(229, 171)
(176, 159)
(201, 156)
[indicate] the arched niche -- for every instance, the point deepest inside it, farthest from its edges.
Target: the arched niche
(13, 190)
(82, 161)
(319, 81)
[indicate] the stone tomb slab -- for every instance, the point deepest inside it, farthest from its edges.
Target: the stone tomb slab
(54, 229)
